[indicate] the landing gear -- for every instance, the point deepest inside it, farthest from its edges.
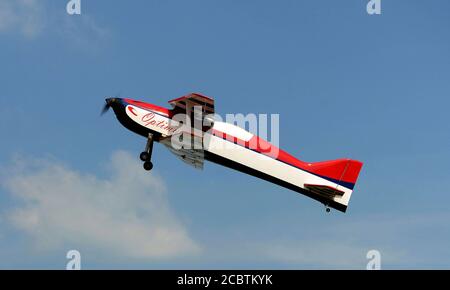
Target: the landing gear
(327, 208)
(146, 156)
(148, 165)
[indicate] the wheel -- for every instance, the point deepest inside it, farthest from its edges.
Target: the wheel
(144, 156)
(148, 165)
(328, 209)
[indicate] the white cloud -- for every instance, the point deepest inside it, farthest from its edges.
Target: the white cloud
(33, 18)
(343, 244)
(82, 32)
(126, 215)
(23, 16)
(405, 240)
(334, 253)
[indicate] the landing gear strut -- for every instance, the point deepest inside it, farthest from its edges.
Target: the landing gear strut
(146, 156)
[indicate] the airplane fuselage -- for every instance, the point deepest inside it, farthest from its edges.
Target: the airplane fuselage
(231, 146)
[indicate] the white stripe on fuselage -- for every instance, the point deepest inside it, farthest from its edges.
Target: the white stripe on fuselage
(270, 166)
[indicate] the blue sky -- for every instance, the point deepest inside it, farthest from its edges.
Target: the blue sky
(346, 84)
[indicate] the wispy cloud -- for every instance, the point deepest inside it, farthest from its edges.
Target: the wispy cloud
(403, 241)
(22, 16)
(126, 215)
(35, 18)
(82, 32)
(328, 253)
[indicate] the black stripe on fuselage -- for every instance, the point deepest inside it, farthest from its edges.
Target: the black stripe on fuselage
(339, 182)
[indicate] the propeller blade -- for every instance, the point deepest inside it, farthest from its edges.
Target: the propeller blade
(105, 109)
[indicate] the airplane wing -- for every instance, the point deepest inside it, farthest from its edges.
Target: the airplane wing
(186, 104)
(193, 157)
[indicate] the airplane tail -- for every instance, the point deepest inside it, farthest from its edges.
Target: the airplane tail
(343, 173)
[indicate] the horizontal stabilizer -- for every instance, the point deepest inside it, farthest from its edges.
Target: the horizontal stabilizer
(325, 190)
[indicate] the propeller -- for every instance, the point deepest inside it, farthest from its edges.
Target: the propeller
(109, 102)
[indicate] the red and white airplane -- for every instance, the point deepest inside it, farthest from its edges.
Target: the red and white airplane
(329, 182)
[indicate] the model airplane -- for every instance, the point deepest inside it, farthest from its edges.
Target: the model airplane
(329, 182)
